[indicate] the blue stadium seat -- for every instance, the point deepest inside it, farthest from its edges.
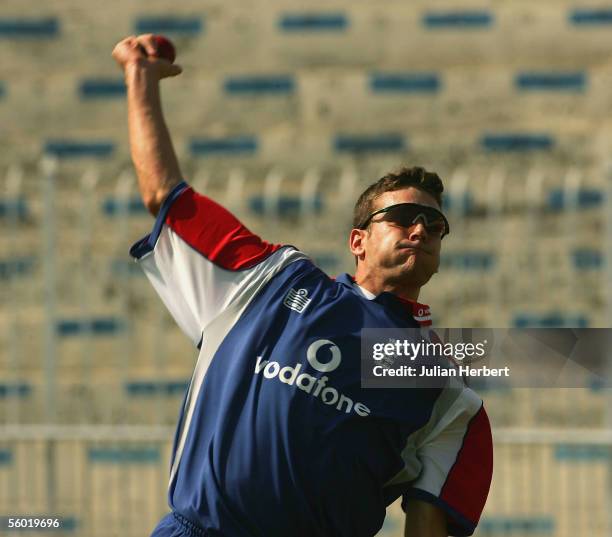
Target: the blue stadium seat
(545, 81)
(373, 143)
(69, 523)
(184, 26)
(149, 388)
(404, 83)
(6, 457)
(481, 261)
(459, 19)
(517, 142)
(326, 261)
(463, 204)
(116, 207)
(550, 320)
(236, 145)
(497, 385)
(585, 259)
(590, 16)
(259, 85)
(124, 455)
(313, 22)
(29, 27)
(124, 267)
(516, 525)
(102, 88)
(97, 326)
(77, 149)
(15, 389)
(585, 198)
(597, 384)
(288, 206)
(14, 208)
(582, 453)
(16, 266)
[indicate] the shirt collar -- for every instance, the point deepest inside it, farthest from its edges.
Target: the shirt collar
(420, 312)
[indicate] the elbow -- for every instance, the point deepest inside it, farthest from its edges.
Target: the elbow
(153, 201)
(153, 198)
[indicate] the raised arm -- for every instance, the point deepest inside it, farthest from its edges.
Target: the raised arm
(150, 144)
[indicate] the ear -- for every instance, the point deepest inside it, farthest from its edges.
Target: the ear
(357, 240)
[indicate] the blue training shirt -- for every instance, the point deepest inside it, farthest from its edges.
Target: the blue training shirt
(276, 437)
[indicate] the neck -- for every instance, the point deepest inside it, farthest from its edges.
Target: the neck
(376, 284)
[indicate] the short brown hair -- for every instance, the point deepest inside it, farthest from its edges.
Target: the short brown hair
(405, 177)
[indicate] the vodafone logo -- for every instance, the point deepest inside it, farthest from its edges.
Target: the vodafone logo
(324, 356)
(313, 360)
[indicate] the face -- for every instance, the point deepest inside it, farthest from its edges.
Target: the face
(401, 256)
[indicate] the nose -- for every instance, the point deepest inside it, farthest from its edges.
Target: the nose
(417, 231)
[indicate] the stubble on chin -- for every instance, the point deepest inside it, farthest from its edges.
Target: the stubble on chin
(415, 271)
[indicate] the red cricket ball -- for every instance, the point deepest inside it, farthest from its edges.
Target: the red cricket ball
(165, 48)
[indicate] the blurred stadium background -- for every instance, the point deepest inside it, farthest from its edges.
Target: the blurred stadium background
(284, 114)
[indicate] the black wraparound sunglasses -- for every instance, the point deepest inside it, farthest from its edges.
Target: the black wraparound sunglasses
(408, 214)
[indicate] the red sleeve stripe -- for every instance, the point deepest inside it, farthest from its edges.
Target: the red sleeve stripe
(467, 485)
(216, 233)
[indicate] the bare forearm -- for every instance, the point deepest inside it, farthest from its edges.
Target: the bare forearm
(424, 520)
(150, 143)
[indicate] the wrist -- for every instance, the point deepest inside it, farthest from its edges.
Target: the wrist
(139, 71)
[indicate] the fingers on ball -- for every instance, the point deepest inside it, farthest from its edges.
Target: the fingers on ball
(149, 43)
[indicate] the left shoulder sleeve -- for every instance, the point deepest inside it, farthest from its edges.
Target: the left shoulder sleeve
(456, 459)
